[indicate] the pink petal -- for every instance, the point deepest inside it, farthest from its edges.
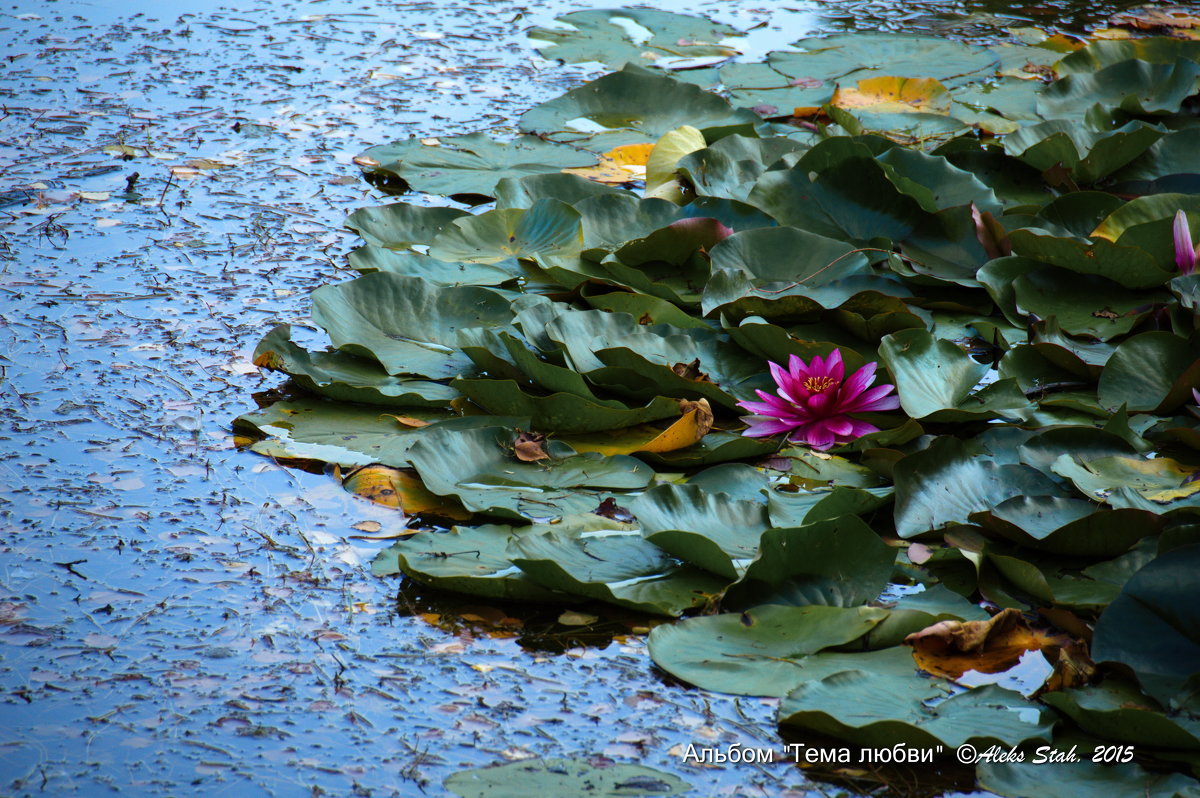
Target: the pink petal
(861, 428)
(874, 399)
(1185, 256)
(840, 426)
(834, 367)
(780, 405)
(816, 435)
(797, 367)
(821, 404)
(761, 427)
(858, 381)
(789, 388)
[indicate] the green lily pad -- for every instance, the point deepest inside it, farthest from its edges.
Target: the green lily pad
(838, 562)
(368, 259)
(616, 565)
(1082, 304)
(563, 777)
(633, 106)
(523, 192)
(1083, 779)
(1135, 86)
(642, 36)
(560, 412)
(478, 467)
(871, 709)
(1087, 154)
(471, 560)
(1118, 711)
(1104, 53)
(1159, 485)
(339, 375)
(549, 229)
(344, 434)
(730, 167)
(702, 526)
(401, 224)
(852, 201)
(1068, 526)
(944, 484)
(766, 650)
(810, 506)
(1154, 626)
(1127, 266)
(408, 324)
(472, 164)
(1151, 371)
(935, 378)
(863, 55)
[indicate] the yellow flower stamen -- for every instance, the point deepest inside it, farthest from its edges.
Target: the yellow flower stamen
(819, 384)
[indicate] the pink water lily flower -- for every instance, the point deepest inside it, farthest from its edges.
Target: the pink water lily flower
(1185, 255)
(815, 401)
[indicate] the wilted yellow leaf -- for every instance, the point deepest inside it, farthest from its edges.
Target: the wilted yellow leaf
(406, 421)
(951, 648)
(395, 488)
(631, 154)
(891, 95)
(685, 431)
(607, 171)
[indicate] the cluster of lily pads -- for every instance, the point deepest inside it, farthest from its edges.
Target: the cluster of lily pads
(552, 387)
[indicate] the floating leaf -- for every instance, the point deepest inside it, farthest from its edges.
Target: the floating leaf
(892, 95)
(408, 324)
(478, 468)
(469, 165)
(392, 487)
(766, 650)
(1153, 626)
(642, 36)
(612, 564)
(339, 375)
(401, 225)
(632, 106)
(944, 484)
(838, 562)
(563, 777)
(471, 560)
(702, 526)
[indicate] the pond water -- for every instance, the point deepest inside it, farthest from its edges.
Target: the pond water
(177, 616)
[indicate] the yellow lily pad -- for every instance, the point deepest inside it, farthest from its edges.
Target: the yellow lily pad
(895, 95)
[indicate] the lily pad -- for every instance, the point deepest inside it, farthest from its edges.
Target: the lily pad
(868, 709)
(408, 324)
(944, 484)
(838, 563)
(549, 229)
(615, 565)
(339, 375)
(471, 560)
(766, 650)
(642, 36)
(469, 165)
(702, 526)
(478, 467)
(563, 777)
(631, 107)
(1154, 626)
